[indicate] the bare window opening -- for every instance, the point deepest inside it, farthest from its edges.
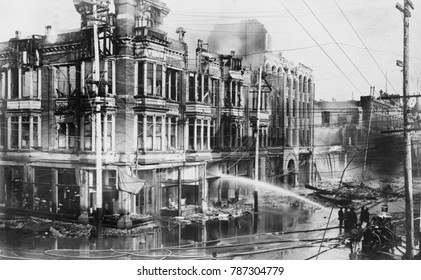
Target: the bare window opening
(65, 80)
(326, 117)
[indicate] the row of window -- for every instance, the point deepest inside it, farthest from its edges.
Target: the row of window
(20, 83)
(152, 80)
(154, 133)
(302, 112)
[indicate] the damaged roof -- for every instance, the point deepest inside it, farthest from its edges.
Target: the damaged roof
(66, 38)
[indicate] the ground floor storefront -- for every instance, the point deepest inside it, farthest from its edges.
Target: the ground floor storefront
(70, 190)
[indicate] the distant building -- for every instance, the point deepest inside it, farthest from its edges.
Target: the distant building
(344, 130)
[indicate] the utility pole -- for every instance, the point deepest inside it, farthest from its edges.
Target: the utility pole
(256, 160)
(93, 11)
(409, 201)
(98, 133)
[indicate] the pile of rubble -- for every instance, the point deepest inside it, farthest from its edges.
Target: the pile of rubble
(271, 200)
(354, 191)
(43, 227)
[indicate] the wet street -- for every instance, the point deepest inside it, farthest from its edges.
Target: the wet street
(283, 233)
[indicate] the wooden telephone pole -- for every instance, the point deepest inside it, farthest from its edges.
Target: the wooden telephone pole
(256, 159)
(409, 201)
(89, 10)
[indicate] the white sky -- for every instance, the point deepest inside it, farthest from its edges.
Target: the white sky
(377, 22)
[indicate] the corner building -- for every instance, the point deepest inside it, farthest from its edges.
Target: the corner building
(168, 130)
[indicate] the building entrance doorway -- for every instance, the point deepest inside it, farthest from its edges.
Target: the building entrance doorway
(291, 174)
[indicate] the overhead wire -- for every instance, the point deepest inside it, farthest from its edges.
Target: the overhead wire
(324, 51)
(339, 46)
(365, 46)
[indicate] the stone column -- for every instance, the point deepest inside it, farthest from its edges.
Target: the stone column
(31, 84)
(9, 135)
(19, 83)
(83, 189)
(54, 189)
(20, 133)
(31, 131)
(9, 83)
(2, 186)
(145, 126)
(195, 135)
(154, 91)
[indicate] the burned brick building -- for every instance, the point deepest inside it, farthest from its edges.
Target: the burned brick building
(286, 107)
(168, 130)
(363, 133)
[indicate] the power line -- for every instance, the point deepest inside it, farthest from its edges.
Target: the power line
(362, 75)
(324, 51)
(371, 55)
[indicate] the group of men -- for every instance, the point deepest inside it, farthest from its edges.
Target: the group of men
(348, 219)
(354, 226)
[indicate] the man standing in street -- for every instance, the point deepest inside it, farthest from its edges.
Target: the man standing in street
(341, 218)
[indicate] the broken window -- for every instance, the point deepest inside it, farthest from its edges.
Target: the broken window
(214, 91)
(228, 100)
(107, 128)
(173, 84)
(150, 138)
(206, 96)
(14, 133)
(192, 88)
(213, 138)
(149, 133)
(68, 194)
(199, 134)
(106, 77)
(149, 79)
(158, 134)
(3, 85)
(191, 133)
(226, 133)
(15, 83)
(87, 133)
(140, 132)
(65, 80)
(158, 80)
(205, 135)
(146, 84)
(326, 117)
(21, 130)
(199, 92)
(171, 132)
(66, 135)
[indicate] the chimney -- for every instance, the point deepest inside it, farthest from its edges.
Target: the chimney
(48, 29)
(181, 33)
(125, 11)
(199, 43)
(232, 53)
(17, 34)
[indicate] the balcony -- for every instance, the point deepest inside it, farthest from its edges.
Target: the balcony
(23, 104)
(235, 112)
(264, 115)
(106, 102)
(156, 157)
(152, 103)
(146, 32)
(198, 109)
(64, 106)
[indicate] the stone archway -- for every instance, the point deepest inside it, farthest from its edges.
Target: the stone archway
(291, 177)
